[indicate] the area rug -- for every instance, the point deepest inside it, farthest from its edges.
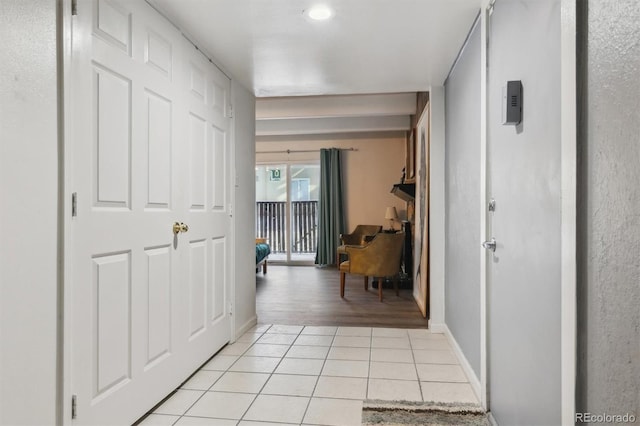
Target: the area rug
(397, 413)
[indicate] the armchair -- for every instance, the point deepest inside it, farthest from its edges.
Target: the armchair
(359, 237)
(379, 258)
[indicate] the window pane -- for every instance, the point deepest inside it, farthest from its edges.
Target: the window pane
(305, 183)
(271, 206)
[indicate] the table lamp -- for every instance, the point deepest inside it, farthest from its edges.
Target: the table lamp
(391, 215)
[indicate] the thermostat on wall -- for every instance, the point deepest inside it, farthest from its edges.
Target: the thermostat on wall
(512, 102)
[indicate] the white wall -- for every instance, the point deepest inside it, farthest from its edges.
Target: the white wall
(28, 212)
(244, 208)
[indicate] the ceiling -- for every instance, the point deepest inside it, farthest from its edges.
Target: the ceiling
(370, 46)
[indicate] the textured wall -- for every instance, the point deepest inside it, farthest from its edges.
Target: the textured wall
(462, 195)
(28, 212)
(609, 207)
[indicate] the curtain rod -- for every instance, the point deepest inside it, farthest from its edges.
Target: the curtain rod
(291, 151)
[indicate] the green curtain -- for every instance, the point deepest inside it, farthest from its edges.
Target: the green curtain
(331, 210)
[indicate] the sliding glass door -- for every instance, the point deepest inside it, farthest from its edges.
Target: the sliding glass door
(287, 210)
(304, 193)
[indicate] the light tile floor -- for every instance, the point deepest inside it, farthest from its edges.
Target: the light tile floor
(295, 375)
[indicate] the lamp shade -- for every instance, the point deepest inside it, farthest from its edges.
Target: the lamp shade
(391, 213)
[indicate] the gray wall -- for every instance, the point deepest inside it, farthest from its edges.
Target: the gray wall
(609, 207)
(462, 200)
(28, 212)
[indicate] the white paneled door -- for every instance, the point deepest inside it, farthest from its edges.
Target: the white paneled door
(151, 147)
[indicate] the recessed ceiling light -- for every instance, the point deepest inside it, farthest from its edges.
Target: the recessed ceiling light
(320, 12)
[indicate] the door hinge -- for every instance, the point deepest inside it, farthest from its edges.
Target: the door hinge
(230, 308)
(74, 204)
(230, 111)
(230, 210)
(74, 7)
(73, 406)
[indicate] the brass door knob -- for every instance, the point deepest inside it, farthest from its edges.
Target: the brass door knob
(179, 227)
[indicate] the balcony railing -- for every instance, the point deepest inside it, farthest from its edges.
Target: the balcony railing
(271, 223)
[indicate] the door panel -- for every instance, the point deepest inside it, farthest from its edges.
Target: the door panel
(198, 164)
(219, 169)
(219, 274)
(158, 144)
(148, 307)
(198, 82)
(112, 95)
(159, 302)
(111, 321)
(112, 21)
(197, 286)
(158, 53)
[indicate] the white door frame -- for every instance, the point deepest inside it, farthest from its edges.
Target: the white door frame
(484, 222)
(65, 341)
(568, 109)
(568, 153)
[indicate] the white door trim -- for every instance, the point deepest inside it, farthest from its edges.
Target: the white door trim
(232, 175)
(64, 400)
(568, 153)
(484, 222)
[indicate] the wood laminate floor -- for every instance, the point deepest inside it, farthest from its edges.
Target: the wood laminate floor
(306, 295)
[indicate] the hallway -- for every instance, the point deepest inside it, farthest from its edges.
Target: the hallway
(316, 375)
(322, 360)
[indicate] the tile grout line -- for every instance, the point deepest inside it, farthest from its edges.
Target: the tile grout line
(240, 357)
(415, 366)
(304, 415)
(215, 381)
(366, 394)
(272, 372)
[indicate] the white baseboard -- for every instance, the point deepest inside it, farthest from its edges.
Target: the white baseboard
(474, 381)
(437, 328)
(246, 327)
(492, 421)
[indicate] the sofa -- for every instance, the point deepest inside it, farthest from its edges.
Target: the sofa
(262, 253)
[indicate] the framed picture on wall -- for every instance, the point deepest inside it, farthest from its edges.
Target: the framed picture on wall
(421, 234)
(410, 157)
